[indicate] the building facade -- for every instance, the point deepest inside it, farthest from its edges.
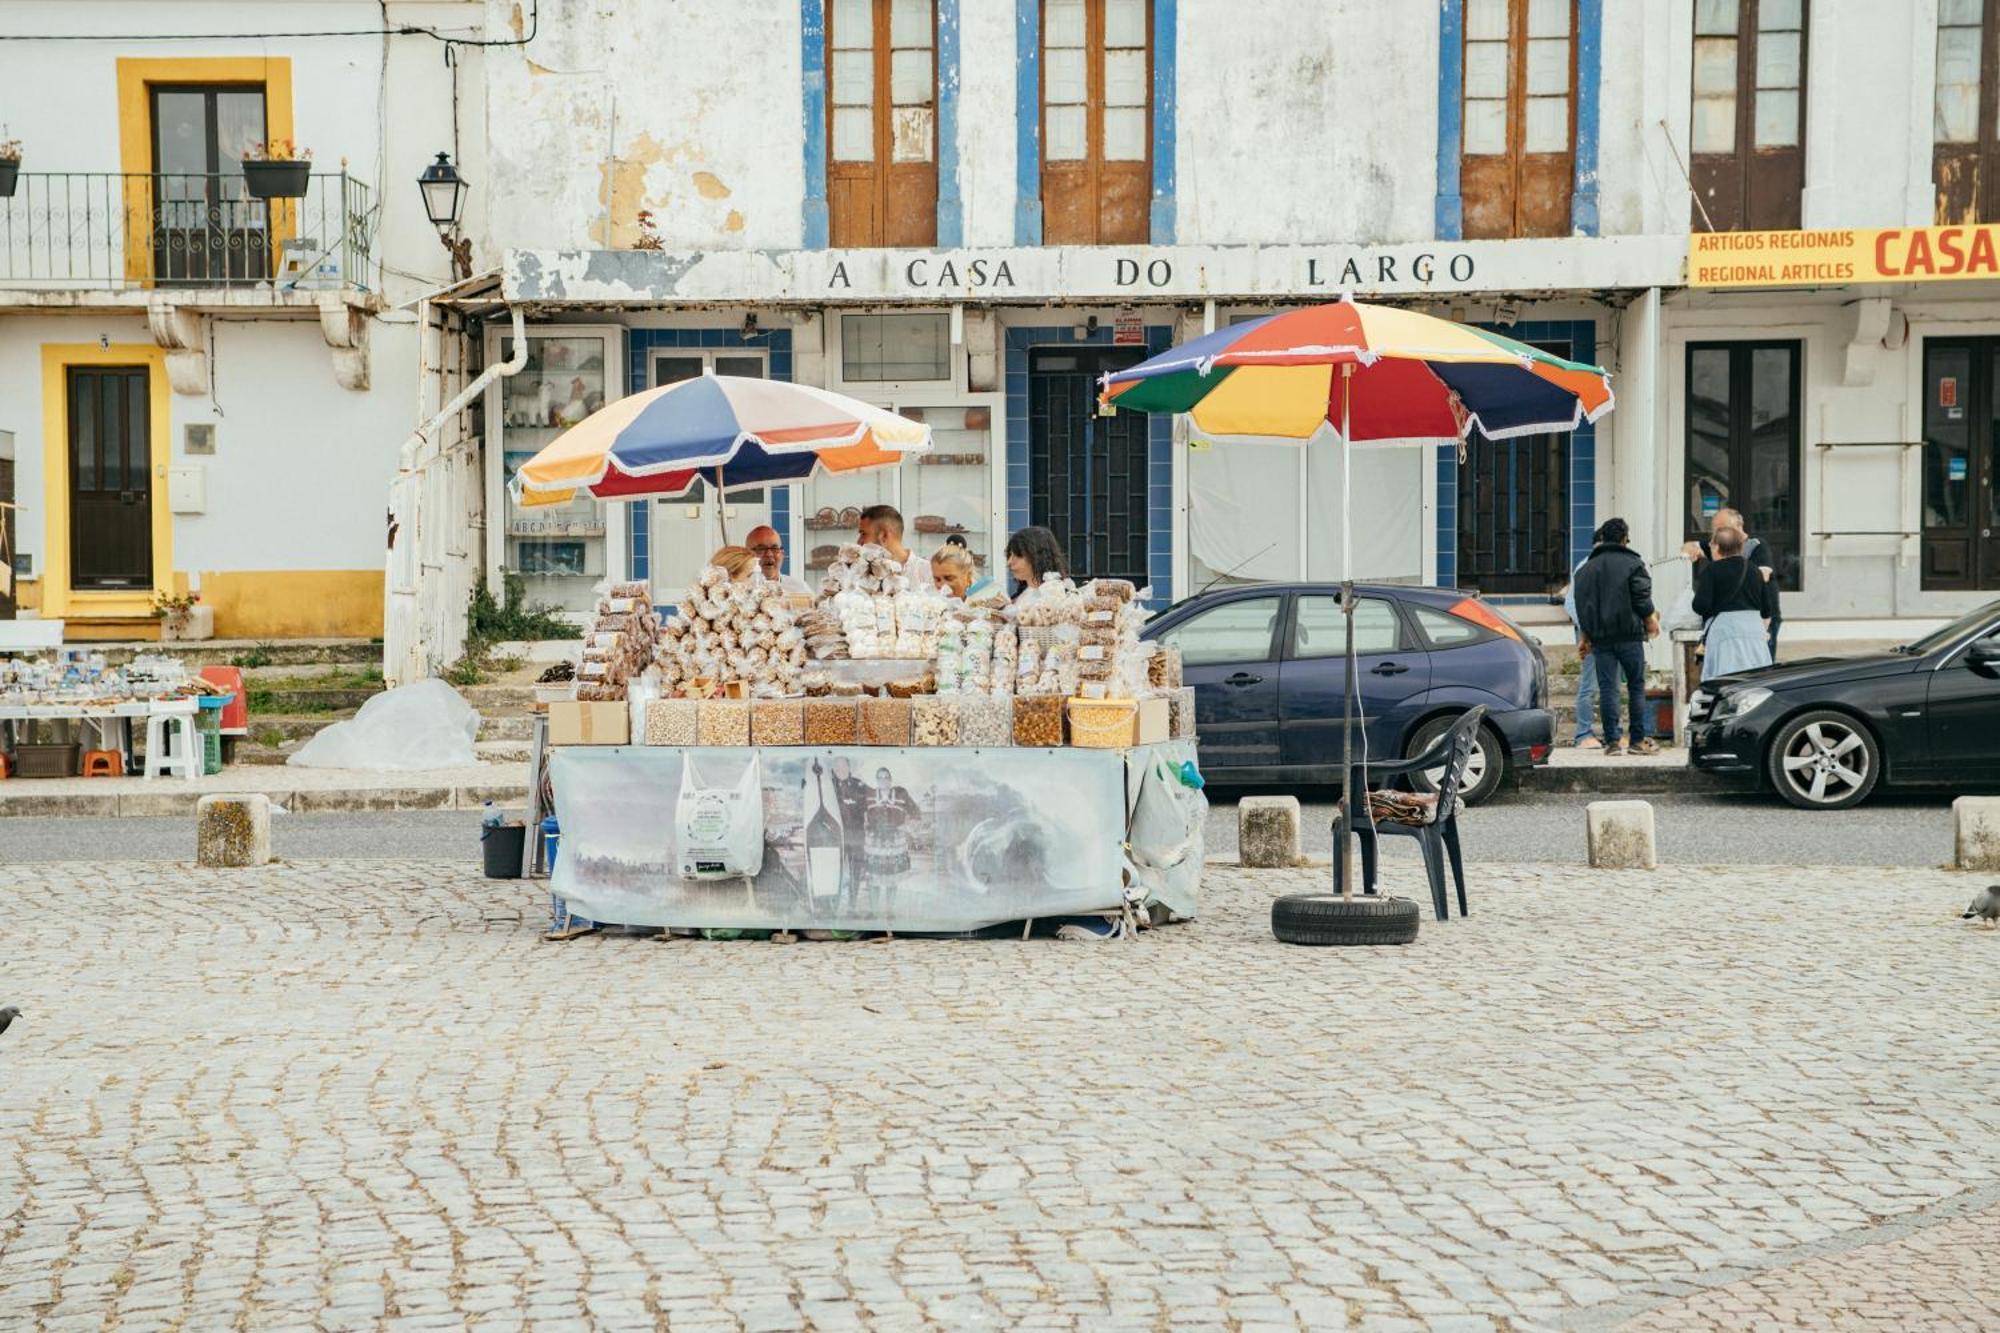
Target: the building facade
(202, 390)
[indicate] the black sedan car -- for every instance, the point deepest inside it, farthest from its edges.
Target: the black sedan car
(1268, 666)
(1824, 733)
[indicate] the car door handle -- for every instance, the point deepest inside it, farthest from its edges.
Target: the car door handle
(1243, 678)
(1388, 668)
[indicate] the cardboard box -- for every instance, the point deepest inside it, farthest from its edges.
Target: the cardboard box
(590, 724)
(1154, 715)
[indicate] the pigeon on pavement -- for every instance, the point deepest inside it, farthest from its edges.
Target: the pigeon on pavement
(1986, 906)
(7, 1016)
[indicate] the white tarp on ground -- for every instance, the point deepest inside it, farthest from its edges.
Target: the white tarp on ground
(425, 725)
(918, 839)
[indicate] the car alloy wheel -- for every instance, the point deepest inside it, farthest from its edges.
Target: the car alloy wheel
(1483, 769)
(1824, 761)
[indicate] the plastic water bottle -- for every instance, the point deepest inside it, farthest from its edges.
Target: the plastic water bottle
(492, 816)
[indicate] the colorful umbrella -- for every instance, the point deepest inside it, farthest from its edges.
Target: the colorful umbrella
(1361, 373)
(731, 431)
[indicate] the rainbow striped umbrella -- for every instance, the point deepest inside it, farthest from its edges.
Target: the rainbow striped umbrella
(1414, 379)
(731, 431)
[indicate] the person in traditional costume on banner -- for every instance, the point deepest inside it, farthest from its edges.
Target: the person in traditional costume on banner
(892, 812)
(1032, 555)
(850, 793)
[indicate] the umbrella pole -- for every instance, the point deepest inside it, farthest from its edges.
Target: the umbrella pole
(721, 519)
(1347, 697)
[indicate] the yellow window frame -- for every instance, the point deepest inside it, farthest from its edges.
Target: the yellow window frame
(136, 77)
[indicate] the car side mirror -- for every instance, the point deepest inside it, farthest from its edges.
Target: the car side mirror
(1984, 653)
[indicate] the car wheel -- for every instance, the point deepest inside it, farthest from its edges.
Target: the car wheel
(1824, 761)
(1329, 918)
(1483, 772)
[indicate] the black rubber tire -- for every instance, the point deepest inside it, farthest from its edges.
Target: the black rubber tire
(1327, 918)
(1493, 749)
(1838, 726)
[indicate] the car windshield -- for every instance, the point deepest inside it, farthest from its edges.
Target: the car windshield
(1956, 630)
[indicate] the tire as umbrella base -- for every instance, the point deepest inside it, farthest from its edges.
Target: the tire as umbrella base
(1328, 918)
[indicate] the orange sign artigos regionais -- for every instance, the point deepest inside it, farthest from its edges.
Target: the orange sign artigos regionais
(1843, 255)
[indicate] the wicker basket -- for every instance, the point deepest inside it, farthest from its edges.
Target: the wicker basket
(1103, 724)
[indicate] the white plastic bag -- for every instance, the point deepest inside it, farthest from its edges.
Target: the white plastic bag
(425, 725)
(720, 828)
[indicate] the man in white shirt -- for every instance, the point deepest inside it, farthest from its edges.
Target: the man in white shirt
(765, 544)
(882, 525)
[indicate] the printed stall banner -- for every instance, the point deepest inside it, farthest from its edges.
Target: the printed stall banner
(1843, 255)
(873, 838)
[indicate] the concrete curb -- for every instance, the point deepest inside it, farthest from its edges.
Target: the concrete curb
(155, 804)
(1621, 779)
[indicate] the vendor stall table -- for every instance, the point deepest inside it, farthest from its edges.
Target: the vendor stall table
(866, 838)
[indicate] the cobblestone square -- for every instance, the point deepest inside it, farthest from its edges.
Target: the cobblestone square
(367, 1094)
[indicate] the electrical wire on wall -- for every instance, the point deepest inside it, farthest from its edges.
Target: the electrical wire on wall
(385, 29)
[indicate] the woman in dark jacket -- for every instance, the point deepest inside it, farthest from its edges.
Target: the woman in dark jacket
(1738, 603)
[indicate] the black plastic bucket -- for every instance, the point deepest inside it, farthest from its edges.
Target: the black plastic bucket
(502, 845)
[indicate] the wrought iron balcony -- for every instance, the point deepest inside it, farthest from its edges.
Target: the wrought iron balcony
(99, 230)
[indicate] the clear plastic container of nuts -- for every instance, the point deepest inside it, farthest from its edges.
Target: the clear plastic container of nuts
(1038, 719)
(986, 719)
(723, 722)
(1180, 713)
(934, 719)
(885, 721)
(831, 721)
(778, 721)
(671, 722)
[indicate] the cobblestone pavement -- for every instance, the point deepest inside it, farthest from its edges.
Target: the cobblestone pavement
(361, 1094)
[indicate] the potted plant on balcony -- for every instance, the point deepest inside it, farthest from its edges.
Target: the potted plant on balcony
(277, 169)
(10, 166)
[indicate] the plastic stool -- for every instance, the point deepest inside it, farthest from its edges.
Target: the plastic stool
(5, 771)
(172, 747)
(103, 764)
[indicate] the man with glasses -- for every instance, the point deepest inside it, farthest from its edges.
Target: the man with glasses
(770, 552)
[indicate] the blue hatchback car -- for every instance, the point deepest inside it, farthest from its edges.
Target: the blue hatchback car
(1267, 663)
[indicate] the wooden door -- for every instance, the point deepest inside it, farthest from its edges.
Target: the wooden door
(110, 478)
(1517, 163)
(1097, 122)
(882, 175)
(1961, 507)
(1743, 424)
(1513, 503)
(1087, 474)
(1965, 125)
(207, 228)
(1747, 162)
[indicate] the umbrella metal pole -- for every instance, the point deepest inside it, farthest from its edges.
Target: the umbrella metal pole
(1347, 695)
(721, 519)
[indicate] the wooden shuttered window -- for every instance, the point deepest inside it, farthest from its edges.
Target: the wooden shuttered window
(1747, 140)
(1097, 121)
(1517, 157)
(1965, 139)
(882, 174)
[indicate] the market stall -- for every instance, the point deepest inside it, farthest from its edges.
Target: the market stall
(69, 712)
(876, 758)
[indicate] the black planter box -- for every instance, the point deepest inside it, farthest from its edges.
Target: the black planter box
(10, 171)
(277, 180)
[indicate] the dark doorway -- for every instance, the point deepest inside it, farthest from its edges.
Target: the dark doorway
(110, 478)
(1087, 474)
(1513, 514)
(207, 228)
(1961, 541)
(1743, 445)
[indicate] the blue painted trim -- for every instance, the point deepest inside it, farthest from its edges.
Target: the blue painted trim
(1589, 76)
(1027, 122)
(1450, 205)
(640, 346)
(950, 207)
(812, 97)
(1159, 447)
(1165, 100)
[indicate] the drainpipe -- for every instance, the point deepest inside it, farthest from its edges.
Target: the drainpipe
(413, 447)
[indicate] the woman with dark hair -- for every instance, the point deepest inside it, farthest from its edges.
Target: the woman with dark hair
(1032, 555)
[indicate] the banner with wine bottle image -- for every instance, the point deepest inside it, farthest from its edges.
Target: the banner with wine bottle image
(861, 838)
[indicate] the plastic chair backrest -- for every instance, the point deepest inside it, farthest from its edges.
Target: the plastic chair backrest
(1461, 737)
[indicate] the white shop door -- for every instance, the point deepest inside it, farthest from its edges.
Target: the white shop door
(686, 532)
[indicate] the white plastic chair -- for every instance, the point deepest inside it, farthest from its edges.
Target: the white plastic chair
(173, 748)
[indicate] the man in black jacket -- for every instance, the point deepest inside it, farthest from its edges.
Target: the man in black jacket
(1614, 611)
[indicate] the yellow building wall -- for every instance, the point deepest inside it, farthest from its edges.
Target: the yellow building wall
(295, 604)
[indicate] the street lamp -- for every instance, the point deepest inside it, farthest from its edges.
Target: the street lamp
(444, 199)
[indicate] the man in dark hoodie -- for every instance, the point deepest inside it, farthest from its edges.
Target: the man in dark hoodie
(1614, 611)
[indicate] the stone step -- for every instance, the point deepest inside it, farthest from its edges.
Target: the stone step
(247, 751)
(499, 698)
(241, 652)
(292, 727)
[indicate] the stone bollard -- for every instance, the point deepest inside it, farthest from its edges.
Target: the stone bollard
(1975, 828)
(232, 831)
(1267, 832)
(1620, 835)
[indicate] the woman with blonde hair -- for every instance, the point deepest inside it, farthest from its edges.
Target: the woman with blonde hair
(957, 573)
(737, 562)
